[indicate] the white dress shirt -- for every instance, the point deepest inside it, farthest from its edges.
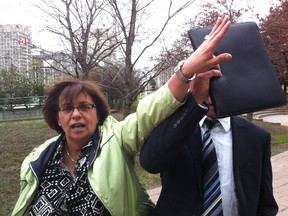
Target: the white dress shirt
(222, 137)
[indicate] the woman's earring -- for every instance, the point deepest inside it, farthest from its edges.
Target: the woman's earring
(59, 124)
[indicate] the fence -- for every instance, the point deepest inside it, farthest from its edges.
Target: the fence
(20, 108)
(13, 102)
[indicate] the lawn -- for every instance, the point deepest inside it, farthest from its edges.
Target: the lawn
(18, 138)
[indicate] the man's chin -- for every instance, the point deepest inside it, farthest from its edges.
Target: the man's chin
(211, 113)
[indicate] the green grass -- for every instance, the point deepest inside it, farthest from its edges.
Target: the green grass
(279, 136)
(18, 138)
(280, 139)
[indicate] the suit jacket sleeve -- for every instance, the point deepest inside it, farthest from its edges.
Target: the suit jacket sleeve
(164, 143)
(267, 204)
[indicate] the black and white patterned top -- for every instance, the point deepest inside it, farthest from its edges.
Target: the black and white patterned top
(59, 193)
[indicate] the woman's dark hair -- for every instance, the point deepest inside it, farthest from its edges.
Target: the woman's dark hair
(68, 90)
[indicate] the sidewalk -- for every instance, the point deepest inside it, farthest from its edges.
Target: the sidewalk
(280, 183)
(280, 169)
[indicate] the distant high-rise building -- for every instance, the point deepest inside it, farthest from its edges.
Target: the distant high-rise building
(163, 77)
(15, 46)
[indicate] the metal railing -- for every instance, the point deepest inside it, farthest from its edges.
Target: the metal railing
(21, 102)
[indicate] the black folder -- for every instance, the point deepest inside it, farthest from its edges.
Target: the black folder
(249, 82)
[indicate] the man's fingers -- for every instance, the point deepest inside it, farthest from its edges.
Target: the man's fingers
(219, 30)
(209, 74)
(220, 58)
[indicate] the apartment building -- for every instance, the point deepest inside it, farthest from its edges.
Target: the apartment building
(15, 46)
(163, 77)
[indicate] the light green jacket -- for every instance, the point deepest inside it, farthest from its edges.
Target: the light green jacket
(112, 175)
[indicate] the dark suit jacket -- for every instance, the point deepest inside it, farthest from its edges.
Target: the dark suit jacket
(173, 149)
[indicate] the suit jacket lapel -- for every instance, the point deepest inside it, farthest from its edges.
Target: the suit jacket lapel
(195, 148)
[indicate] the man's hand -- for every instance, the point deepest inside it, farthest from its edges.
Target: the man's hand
(203, 58)
(199, 87)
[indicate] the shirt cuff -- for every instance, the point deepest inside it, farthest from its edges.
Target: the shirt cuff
(203, 106)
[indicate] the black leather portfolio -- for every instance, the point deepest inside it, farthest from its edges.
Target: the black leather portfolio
(248, 83)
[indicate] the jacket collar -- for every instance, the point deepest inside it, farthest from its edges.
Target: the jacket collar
(38, 165)
(225, 122)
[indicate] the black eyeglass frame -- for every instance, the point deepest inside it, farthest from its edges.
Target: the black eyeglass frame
(82, 108)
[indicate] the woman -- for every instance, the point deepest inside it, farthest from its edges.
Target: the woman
(88, 169)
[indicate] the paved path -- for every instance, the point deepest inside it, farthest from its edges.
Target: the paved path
(280, 172)
(280, 181)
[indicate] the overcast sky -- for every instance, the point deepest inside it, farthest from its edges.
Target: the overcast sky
(22, 12)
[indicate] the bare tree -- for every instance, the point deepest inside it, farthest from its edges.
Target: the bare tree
(211, 10)
(85, 31)
(131, 17)
(92, 31)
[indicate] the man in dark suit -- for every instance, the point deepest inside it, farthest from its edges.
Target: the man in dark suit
(174, 149)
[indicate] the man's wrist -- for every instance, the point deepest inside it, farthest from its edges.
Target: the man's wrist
(180, 75)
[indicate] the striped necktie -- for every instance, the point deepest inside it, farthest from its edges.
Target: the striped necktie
(212, 201)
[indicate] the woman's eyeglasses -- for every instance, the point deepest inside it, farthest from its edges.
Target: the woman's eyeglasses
(82, 108)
